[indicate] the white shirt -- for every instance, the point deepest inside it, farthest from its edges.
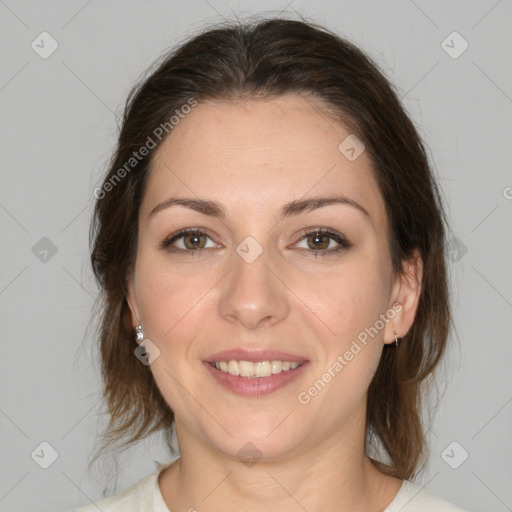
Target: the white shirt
(145, 496)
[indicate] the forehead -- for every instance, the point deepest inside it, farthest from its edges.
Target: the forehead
(261, 153)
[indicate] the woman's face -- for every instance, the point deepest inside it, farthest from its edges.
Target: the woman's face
(260, 280)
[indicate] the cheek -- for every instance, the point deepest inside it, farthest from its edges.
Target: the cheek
(173, 308)
(349, 300)
(170, 301)
(351, 306)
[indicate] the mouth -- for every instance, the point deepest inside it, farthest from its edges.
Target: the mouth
(255, 373)
(259, 369)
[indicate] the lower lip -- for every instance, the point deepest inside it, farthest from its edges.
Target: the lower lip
(255, 386)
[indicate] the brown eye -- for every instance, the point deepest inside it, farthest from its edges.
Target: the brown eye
(318, 241)
(194, 240)
(188, 242)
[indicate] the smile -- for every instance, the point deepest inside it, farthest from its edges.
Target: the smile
(255, 369)
(255, 379)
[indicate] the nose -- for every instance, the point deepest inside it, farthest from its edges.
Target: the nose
(253, 293)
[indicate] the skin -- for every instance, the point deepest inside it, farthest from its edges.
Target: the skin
(253, 157)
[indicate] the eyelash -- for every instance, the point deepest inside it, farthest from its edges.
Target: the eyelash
(344, 244)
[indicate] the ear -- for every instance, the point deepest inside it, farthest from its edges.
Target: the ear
(131, 298)
(406, 293)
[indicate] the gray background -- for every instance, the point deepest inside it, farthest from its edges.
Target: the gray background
(58, 128)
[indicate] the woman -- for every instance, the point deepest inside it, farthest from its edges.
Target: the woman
(270, 245)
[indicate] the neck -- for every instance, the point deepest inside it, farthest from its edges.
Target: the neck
(334, 475)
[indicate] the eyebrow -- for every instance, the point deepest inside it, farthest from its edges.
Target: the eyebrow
(296, 207)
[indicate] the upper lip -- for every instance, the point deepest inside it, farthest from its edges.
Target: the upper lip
(254, 356)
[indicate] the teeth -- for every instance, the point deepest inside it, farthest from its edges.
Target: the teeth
(259, 369)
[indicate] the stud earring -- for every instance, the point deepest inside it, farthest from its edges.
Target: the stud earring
(139, 335)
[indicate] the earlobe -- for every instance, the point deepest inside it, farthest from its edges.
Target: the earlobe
(407, 293)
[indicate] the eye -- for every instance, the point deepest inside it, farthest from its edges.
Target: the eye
(191, 242)
(188, 241)
(320, 242)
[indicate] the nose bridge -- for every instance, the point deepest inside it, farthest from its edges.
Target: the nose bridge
(252, 294)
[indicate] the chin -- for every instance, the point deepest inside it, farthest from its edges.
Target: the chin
(267, 440)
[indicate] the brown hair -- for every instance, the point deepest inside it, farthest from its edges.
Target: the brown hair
(266, 59)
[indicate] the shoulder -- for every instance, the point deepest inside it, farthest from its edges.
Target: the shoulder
(414, 498)
(134, 499)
